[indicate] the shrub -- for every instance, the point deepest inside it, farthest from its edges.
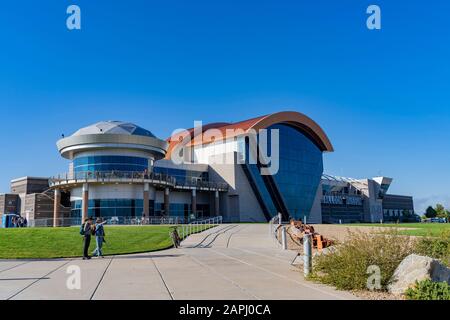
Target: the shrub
(435, 247)
(346, 268)
(429, 290)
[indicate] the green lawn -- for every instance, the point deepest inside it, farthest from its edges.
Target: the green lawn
(417, 229)
(44, 243)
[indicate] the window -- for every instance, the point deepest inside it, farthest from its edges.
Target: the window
(299, 175)
(110, 163)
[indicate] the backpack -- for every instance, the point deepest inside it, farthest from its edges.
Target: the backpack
(82, 230)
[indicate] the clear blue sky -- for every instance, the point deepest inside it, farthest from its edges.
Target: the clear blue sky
(383, 97)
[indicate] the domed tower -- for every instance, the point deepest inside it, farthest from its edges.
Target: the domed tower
(110, 174)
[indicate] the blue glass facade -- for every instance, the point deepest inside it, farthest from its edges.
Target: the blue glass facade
(111, 208)
(107, 208)
(301, 168)
(293, 189)
(110, 163)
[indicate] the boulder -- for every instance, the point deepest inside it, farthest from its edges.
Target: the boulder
(417, 268)
(326, 251)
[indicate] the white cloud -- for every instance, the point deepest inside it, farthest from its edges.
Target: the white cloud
(421, 204)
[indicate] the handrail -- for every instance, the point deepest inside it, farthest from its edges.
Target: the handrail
(200, 226)
(152, 220)
(274, 225)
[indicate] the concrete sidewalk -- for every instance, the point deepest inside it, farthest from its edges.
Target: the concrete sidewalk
(238, 262)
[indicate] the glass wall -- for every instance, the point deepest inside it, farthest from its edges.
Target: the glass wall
(293, 188)
(108, 208)
(111, 208)
(301, 168)
(110, 163)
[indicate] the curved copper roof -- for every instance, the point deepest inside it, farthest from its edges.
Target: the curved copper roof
(292, 118)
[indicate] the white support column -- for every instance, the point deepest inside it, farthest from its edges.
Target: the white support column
(146, 208)
(283, 238)
(57, 209)
(307, 254)
(85, 206)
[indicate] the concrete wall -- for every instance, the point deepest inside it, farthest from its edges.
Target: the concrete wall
(41, 206)
(241, 203)
(111, 191)
(28, 185)
(316, 211)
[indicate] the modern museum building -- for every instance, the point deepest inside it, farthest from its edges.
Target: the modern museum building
(118, 171)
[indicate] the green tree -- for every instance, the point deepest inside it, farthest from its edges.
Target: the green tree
(430, 213)
(440, 211)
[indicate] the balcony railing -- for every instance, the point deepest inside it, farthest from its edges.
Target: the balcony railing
(126, 221)
(134, 177)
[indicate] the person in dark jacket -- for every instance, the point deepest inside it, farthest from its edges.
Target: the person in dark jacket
(87, 232)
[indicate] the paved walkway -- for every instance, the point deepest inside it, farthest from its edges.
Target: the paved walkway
(238, 262)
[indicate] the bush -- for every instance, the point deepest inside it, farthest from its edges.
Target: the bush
(435, 247)
(346, 268)
(429, 290)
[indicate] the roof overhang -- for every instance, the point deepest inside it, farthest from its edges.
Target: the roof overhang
(295, 119)
(299, 121)
(68, 147)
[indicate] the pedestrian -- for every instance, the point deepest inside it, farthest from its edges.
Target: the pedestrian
(175, 238)
(99, 237)
(14, 222)
(86, 232)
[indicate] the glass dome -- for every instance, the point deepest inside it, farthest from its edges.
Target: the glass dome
(114, 127)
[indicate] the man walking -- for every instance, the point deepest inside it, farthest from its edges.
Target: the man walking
(86, 231)
(99, 237)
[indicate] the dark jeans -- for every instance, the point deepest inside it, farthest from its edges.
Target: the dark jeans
(86, 244)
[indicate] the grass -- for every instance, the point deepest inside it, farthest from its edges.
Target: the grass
(414, 229)
(437, 247)
(429, 290)
(49, 243)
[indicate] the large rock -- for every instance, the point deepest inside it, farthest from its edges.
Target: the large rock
(326, 251)
(417, 268)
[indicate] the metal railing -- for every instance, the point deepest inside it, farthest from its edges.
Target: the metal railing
(274, 225)
(130, 177)
(141, 221)
(199, 226)
(110, 176)
(127, 221)
(49, 222)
